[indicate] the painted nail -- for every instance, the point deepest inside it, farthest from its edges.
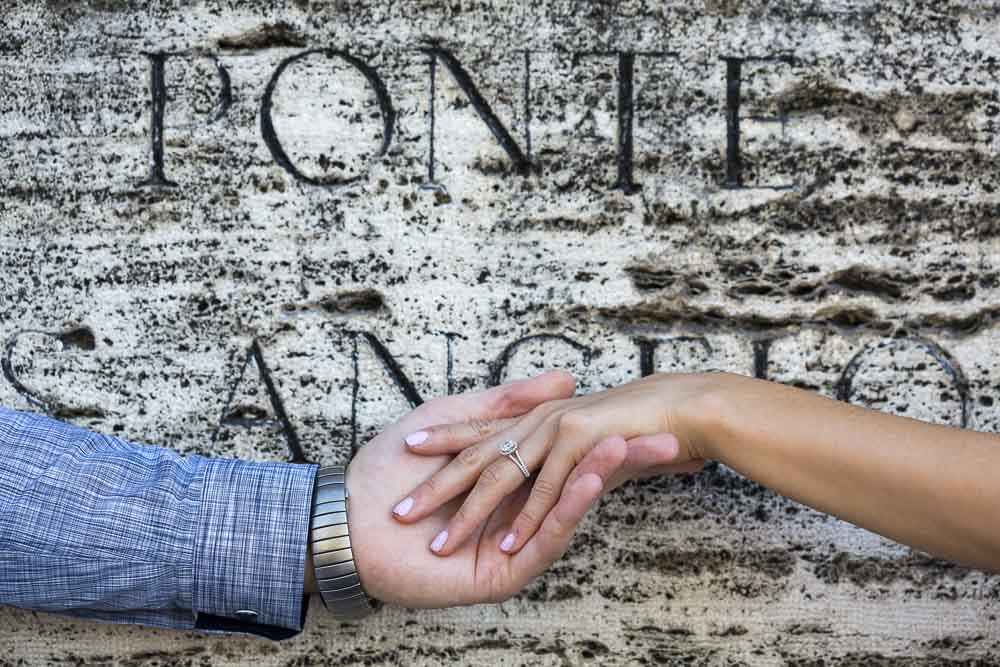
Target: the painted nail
(404, 506)
(439, 541)
(507, 543)
(417, 438)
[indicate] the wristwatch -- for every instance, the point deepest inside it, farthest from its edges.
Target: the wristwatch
(336, 573)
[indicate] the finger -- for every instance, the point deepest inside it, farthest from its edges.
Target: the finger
(447, 483)
(650, 451)
(452, 438)
(578, 430)
(651, 456)
(575, 436)
(499, 522)
(497, 481)
(463, 473)
(604, 460)
(552, 539)
(511, 399)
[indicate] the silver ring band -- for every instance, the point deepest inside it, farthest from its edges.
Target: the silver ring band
(509, 449)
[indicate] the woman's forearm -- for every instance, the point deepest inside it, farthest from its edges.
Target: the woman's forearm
(932, 487)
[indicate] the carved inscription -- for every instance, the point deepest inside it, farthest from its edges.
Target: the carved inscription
(266, 230)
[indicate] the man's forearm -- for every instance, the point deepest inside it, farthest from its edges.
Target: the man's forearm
(925, 485)
(98, 527)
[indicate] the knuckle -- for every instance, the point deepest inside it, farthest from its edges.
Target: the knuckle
(549, 408)
(504, 403)
(431, 486)
(469, 457)
(527, 517)
(544, 490)
(481, 427)
(568, 404)
(463, 516)
(576, 454)
(574, 421)
(490, 476)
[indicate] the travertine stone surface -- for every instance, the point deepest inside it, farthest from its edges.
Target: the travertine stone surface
(860, 260)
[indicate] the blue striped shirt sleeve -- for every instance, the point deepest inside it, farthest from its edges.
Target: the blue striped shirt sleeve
(96, 527)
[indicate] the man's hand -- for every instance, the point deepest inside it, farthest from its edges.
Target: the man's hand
(393, 560)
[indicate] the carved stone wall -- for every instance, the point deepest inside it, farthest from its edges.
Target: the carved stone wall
(264, 229)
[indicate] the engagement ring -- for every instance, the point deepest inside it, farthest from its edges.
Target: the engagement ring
(509, 449)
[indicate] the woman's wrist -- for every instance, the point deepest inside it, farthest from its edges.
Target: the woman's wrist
(705, 420)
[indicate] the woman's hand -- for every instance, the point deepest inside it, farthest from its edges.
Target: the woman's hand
(392, 561)
(651, 414)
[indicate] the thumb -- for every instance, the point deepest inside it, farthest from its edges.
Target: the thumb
(651, 451)
(646, 454)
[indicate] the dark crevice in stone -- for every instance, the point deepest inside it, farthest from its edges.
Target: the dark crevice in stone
(941, 114)
(342, 303)
(245, 415)
(872, 281)
(584, 224)
(266, 36)
(69, 413)
(774, 564)
(919, 569)
(365, 300)
(677, 312)
(81, 338)
(882, 660)
(648, 278)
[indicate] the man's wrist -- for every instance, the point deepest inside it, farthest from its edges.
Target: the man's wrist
(359, 537)
(337, 578)
(310, 575)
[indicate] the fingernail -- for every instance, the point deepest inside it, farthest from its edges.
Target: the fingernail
(404, 507)
(417, 438)
(507, 543)
(439, 541)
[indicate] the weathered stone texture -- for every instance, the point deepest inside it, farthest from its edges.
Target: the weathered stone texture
(873, 277)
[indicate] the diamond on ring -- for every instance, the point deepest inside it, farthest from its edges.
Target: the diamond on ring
(509, 449)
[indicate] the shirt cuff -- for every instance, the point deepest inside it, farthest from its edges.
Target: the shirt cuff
(250, 545)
